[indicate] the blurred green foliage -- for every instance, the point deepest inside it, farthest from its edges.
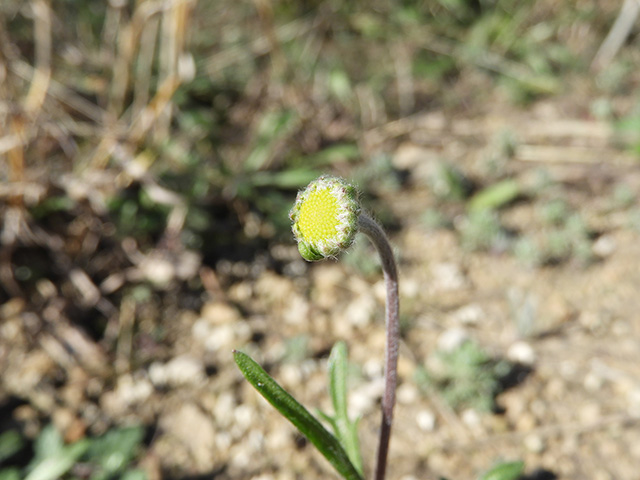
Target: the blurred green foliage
(504, 471)
(107, 457)
(466, 377)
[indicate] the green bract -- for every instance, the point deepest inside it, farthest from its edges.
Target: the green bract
(325, 217)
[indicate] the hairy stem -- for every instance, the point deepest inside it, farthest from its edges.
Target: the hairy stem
(369, 227)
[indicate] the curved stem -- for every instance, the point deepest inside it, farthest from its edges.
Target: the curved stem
(369, 227)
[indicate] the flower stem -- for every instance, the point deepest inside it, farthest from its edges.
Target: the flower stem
(369, 227)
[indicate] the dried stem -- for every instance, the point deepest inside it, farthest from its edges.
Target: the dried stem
(369, 227)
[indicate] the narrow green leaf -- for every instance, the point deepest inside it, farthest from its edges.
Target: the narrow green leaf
(338, 378)
(283, 179)
(53, 467)
(10, 442)
(48, 443)
(134, 474)
(10, 474)
(114, 450)
(504, 471)
(328, 418)
(335, 153)
(299, 416)
(495, 196)
(346, 430)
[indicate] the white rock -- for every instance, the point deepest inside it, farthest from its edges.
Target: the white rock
(409, 288)
(373, 367)
(263, 476)
(452, 338)
(448, 277)
(193, 429)
(201, 328)
(223, 441)
(471, 418)
(226, 336)
(223, 410)
(219, 313)
(593, 382)
(521, 352)
(633, 399)
(604, 246)
(244, 416)
(290, 374)
(468, 315)
(360, 311)
(158, 269)
(408, 156)
(132, 391)
(534, 443)
(296, 311)
(182, 370)
(426, 420)
(407, 393)
(363, 398)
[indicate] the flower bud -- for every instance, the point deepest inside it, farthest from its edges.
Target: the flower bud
(325, 218)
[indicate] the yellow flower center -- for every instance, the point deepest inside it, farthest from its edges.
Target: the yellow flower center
(319, 216)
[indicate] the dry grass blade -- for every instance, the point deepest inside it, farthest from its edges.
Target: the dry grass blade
(259, 46)
(617, 35)
(42, 74)
(169, 21)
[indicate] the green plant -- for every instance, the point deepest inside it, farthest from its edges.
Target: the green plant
(11, 442)
(305, 422)
(326, 218)
(465, 377)
(504, 471)
(564, 236)
(104, 458)
(482, 230)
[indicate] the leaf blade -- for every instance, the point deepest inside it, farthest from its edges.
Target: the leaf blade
(298, 415)
(504, 471)
(345, 429)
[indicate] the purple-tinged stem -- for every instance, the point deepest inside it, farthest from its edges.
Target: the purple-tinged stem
(369, 227)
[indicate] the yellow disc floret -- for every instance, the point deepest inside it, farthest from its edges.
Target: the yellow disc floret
(325, 218)
(318, 219)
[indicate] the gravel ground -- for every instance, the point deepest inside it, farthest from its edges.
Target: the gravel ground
(573, 329)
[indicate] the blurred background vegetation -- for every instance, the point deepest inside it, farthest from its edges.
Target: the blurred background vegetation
(150, 151)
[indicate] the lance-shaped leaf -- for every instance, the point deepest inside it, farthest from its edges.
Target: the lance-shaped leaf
(299, 416)
(345, 429)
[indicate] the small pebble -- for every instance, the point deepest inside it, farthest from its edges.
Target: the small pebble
(522, 353)
(222, 412)
(534, 443)
(633, 398)
(407, 393)
(363, 399)
(180, 371)
(361, 310)
(426, 420)
(589, 413)
(604, 246)
(471, 418)
(593, 382)
(452, 339)
(448, 277)
(468, 315)
(219, 313)
(525, 422)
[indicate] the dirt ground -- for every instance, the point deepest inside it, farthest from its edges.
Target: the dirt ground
(573, 415)
(100, 331)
